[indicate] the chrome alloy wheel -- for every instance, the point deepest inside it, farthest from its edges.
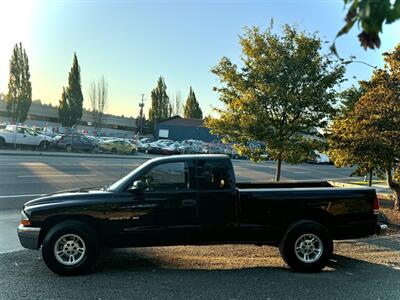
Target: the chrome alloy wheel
(308, 248)
(69, 249)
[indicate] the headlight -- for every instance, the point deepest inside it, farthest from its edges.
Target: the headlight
(24, 219)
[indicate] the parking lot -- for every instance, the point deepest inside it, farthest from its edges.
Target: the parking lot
(367, 269)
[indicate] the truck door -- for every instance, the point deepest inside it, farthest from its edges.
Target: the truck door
(217, 199)
(165, 212)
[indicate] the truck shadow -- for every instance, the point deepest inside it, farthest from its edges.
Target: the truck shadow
(173, 273)
(145, 259)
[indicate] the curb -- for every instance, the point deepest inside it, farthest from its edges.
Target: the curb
(79, 155)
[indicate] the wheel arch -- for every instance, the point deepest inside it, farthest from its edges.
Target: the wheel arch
(55, 220)
(319, 216)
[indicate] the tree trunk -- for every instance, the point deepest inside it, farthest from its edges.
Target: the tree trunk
(278, 169)
(395, 187)
(370, 178)
(396, 199)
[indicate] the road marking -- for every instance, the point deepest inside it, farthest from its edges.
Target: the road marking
(21, 196)
(57, 175)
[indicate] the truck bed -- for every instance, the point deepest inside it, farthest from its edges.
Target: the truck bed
(283, 184)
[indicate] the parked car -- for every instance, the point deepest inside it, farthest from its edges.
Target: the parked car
(146, 140)
(120, 146)
(22, 135)
(75, 142)
(157, 148)
(320, 158)
(142, 147)
(195, 200)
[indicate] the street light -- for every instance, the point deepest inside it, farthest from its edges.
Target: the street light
(347, 62)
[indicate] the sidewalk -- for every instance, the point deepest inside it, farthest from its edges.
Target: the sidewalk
(19, 152)
(358, 182)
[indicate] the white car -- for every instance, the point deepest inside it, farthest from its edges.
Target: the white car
(22, 135)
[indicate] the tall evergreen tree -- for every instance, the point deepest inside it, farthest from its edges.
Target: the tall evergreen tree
(19, 96)
(63, 109)
(160, 105)
(192, 108)
(72, 111)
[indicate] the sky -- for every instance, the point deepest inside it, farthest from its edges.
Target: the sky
(132, 43)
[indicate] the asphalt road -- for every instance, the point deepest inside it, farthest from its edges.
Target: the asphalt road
(366, 269)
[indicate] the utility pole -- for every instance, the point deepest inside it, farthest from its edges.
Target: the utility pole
(141, 105)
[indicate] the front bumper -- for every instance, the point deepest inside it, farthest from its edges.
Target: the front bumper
(29, 237)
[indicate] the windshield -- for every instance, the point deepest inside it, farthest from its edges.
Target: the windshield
(119, 184)
(31, 131)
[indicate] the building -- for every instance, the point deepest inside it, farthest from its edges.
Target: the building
(41, 115)
(178, 129)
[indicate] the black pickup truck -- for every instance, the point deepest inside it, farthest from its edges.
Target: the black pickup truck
(195, 200)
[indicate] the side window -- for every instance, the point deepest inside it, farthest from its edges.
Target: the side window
(214, 175)
(168, 176)
(21, 130)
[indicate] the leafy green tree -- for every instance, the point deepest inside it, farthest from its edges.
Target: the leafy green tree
(160, 106)
(369, 135)
(192, 108)
(72, 110)
(349, 98)
(370, 15)
(284, 90)
(19, 96)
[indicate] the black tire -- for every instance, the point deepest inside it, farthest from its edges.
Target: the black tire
(114, 151)
(66, 229)
(44, 145)
(68, 148)
(293, 237)
(2, 142)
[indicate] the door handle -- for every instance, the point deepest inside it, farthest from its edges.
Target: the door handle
(188, 202)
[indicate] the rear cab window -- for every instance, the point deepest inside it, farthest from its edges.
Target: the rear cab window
(214, 174)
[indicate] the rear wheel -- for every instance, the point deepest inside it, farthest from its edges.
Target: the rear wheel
(68, 148)
(2, 142)
(306, 246)
(44, 145)
(114, 151)
(70, 248)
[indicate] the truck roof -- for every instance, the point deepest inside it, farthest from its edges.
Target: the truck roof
(185, 157)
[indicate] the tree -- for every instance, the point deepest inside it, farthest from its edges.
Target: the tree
(370, 15)
(192, 108)
(282, 93)
(160, 107)
(19, 96)
(63, 109)
(98, 94)
(349, 98)
(369, 136)
(72, 110)
(178, 104)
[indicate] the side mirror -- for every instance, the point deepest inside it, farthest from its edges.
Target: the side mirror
(138, 185)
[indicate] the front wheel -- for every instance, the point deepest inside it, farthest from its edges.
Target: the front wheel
(306, 247)
(44, 145)
(70, 248)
